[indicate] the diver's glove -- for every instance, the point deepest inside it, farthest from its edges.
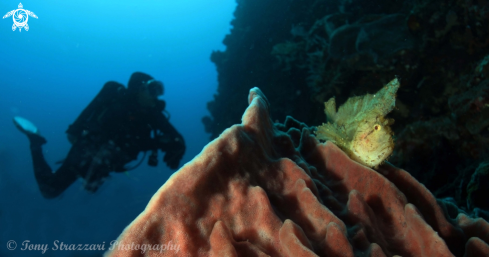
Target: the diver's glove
(174, 153)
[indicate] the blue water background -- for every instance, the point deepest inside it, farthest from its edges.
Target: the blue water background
(51, 72)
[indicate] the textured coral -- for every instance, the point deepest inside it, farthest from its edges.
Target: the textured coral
(456, 140)
(379, 38)
(260, 190)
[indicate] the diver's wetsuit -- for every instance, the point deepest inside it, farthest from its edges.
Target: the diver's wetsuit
(108, 134)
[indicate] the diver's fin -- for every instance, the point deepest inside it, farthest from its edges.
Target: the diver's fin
(25, 126)
(30, 130)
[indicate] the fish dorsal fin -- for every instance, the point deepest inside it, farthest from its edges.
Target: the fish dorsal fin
(359, 107)
(330, 110)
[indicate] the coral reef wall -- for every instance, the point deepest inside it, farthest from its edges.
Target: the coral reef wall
(304, 52)
(265, 190)
(248, 62)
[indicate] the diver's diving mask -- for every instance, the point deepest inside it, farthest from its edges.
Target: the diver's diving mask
(154, 87)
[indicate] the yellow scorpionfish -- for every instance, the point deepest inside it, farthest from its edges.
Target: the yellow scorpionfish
(360, 127)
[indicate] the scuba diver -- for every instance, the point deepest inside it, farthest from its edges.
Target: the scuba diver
(112, 130)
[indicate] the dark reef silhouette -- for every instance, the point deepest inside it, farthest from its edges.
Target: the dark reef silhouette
(304, 52)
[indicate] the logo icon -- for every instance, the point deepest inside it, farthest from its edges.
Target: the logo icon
(20, 17)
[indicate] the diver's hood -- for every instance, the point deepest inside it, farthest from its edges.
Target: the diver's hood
(137, 80)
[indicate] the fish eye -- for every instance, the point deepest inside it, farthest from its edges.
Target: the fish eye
(377, 127)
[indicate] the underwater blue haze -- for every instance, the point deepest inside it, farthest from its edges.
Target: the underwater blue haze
(49, 73)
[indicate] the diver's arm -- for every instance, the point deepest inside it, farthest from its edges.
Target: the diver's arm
(170, 142)
(171, 137)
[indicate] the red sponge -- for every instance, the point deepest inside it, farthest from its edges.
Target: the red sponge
(260, 191)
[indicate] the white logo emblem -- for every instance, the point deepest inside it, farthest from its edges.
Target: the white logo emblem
(20, 17)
